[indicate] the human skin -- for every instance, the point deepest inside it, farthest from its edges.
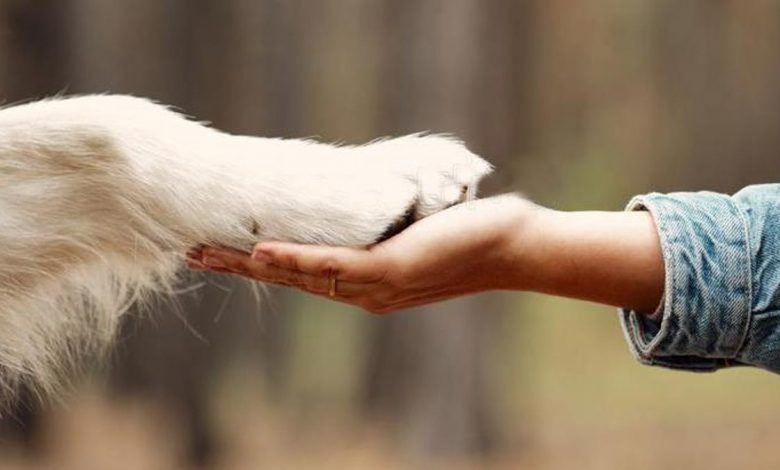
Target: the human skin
(500, 243)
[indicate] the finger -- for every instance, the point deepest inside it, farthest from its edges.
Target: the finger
(350, 264)
(241, 263)
(319, 285)
(197, 266)
(196, 262)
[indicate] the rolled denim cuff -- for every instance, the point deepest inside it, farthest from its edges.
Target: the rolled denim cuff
(707, 300)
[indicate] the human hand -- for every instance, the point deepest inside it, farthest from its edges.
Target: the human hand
(462, 250)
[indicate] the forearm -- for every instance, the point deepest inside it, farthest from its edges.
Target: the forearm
(720, 252)
(607, 257)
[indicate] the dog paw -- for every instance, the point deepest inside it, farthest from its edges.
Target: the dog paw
(442, 170)
(361, 195)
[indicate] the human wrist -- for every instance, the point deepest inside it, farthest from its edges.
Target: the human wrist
(519, 238)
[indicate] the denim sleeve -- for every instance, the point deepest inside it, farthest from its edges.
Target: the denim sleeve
(721, 303)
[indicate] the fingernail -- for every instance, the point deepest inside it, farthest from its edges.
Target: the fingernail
(214, 262)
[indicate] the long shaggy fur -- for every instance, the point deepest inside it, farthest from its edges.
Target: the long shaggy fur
(100, 196)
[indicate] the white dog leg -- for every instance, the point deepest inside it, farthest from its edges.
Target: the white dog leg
(100, 196)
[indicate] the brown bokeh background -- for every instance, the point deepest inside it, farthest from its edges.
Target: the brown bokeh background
(579, 104)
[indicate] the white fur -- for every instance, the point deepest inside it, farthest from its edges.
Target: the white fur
(100, 197)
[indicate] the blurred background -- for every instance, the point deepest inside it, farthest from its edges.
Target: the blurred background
(579, 104)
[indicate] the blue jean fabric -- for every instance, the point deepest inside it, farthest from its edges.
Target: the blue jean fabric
(721, 304)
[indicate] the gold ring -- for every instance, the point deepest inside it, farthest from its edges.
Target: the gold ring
(332, 281)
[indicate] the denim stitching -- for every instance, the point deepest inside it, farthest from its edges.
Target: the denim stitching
(749, 257)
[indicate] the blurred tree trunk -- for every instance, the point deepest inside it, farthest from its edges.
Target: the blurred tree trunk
(720, 91)
(34, 48)
(211, 61)
(429, 370)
